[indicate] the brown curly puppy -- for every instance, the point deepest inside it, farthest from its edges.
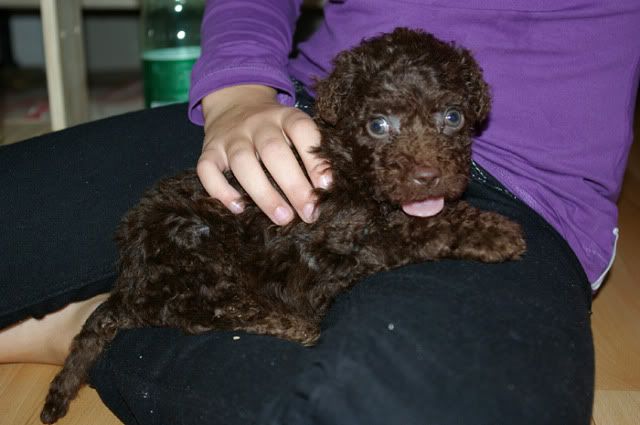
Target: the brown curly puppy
(396, 117)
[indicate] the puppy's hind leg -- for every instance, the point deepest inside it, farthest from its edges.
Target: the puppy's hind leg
(99, 329)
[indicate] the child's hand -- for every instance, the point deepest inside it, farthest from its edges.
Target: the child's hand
(245, 125)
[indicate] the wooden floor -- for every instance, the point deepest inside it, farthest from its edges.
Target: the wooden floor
(616, 328)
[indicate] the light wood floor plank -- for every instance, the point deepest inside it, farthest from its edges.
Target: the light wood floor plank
(617, 408)
(23, 388)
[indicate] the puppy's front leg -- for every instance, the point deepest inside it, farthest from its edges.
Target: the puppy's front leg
(486, 236)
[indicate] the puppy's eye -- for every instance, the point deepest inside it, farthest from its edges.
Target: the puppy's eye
(378, 127)
(453, 118)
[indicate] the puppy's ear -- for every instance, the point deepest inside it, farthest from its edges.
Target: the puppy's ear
(478, 93)
(332, 92)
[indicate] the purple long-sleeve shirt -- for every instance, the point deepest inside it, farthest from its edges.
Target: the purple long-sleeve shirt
(564, 76)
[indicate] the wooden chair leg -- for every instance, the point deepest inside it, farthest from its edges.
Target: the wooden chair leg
(65, 62)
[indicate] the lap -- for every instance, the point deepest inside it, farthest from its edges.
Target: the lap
(443, 342)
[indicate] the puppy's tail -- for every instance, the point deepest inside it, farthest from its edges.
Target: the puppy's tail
(99, 329)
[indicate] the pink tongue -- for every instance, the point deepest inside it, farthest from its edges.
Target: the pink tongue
(426, 208)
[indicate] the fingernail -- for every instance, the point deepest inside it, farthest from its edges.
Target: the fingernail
(325, 181)
(309, 210)
(236, 207)
(282, 215)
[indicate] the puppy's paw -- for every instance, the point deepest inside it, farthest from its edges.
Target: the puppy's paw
(54, 408)
(507, 241)
(300, 331)
(491, 239)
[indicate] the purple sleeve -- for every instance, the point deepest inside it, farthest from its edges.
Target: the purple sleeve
(244, 42)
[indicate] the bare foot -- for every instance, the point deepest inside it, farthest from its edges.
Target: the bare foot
(46, 340)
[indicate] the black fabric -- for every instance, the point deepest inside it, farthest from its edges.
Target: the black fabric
(448, 342)
(62, 195)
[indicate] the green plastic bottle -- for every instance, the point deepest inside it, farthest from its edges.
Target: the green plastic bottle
(170, 42)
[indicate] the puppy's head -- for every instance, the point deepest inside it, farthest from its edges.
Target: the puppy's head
(397, 114)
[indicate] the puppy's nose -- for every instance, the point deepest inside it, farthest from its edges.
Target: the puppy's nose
(425, 175)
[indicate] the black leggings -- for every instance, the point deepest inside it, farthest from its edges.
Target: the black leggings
(447, 342)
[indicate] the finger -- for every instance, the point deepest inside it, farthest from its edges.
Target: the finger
(277, 157)
(304, 135)
(247, 170)
(216, 184)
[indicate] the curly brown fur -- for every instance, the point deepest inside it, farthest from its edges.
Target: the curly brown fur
(187, 262)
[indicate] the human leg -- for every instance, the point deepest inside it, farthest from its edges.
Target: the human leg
(447, 342)
(63, 194)
(46, 340)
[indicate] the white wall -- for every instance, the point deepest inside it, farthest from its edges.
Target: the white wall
(111, 41)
